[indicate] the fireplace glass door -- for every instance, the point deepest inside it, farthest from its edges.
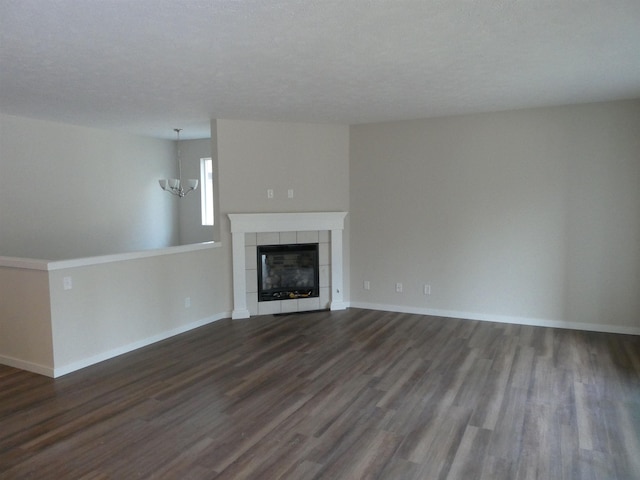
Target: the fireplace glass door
(288, 271)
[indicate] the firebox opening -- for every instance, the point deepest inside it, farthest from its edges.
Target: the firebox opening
(287, 272)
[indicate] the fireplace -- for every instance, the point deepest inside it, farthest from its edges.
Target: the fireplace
(249, 230)
(287, 272)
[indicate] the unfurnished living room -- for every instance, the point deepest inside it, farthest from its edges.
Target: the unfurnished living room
(284, 239)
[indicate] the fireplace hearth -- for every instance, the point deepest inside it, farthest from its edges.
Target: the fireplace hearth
(287, 272)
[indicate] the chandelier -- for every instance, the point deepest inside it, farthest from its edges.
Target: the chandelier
(175, 185)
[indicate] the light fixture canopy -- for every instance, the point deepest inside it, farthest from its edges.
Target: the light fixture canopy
(175, 186)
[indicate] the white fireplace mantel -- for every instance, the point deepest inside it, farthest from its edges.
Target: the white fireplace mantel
(242, 223)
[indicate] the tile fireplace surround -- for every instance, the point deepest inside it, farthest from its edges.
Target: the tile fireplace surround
(283, 224)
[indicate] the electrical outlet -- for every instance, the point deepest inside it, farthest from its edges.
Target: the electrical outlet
(398, 287)
(367, 285)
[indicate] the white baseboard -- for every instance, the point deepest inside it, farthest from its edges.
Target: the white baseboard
(240, 314)
(28, 366)
(536, 322)
(339, 305)
(85, 362)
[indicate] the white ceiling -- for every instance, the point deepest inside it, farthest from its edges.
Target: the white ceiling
(147, 66)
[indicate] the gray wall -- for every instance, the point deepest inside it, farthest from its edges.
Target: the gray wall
(529, 215)
(254, 156)
(311, 159)
(25, 319)
(69, 192)
(117, 305)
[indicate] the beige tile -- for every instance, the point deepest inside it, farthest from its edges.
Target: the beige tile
(305, 304)
(324, 277)
(289, 306)
(323, 254)
(249, 239)
(288, 237)
(250, 259)
(268, 238)
(269, 308)
(308, 237)
(251, 281)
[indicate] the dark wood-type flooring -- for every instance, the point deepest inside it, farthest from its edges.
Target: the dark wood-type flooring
(356, 394)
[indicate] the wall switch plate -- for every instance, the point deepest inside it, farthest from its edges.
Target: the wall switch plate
(427, 289)
(270, 193)
(67, 283)
(290, 193)
(367, 285)
(187, 302)
(398, 288)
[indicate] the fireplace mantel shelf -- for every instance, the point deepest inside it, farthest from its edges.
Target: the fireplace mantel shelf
(286, 222)
(242, 223)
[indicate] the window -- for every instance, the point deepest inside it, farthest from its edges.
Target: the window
(206, 191)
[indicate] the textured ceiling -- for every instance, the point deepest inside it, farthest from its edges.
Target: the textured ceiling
(147, 66)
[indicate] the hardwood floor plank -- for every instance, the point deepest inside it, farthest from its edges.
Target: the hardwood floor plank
(336, 395)
(368, 457)
(468, 461)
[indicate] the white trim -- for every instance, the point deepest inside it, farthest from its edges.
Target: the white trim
(28, 366)
(337, 296)
(239, 314)
(535, 322)
(286, 222)
(339, 305)
(24, 263)
(35, 264)
(85, 362)
(240, 309)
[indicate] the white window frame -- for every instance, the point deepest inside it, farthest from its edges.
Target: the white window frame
(206, 191)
